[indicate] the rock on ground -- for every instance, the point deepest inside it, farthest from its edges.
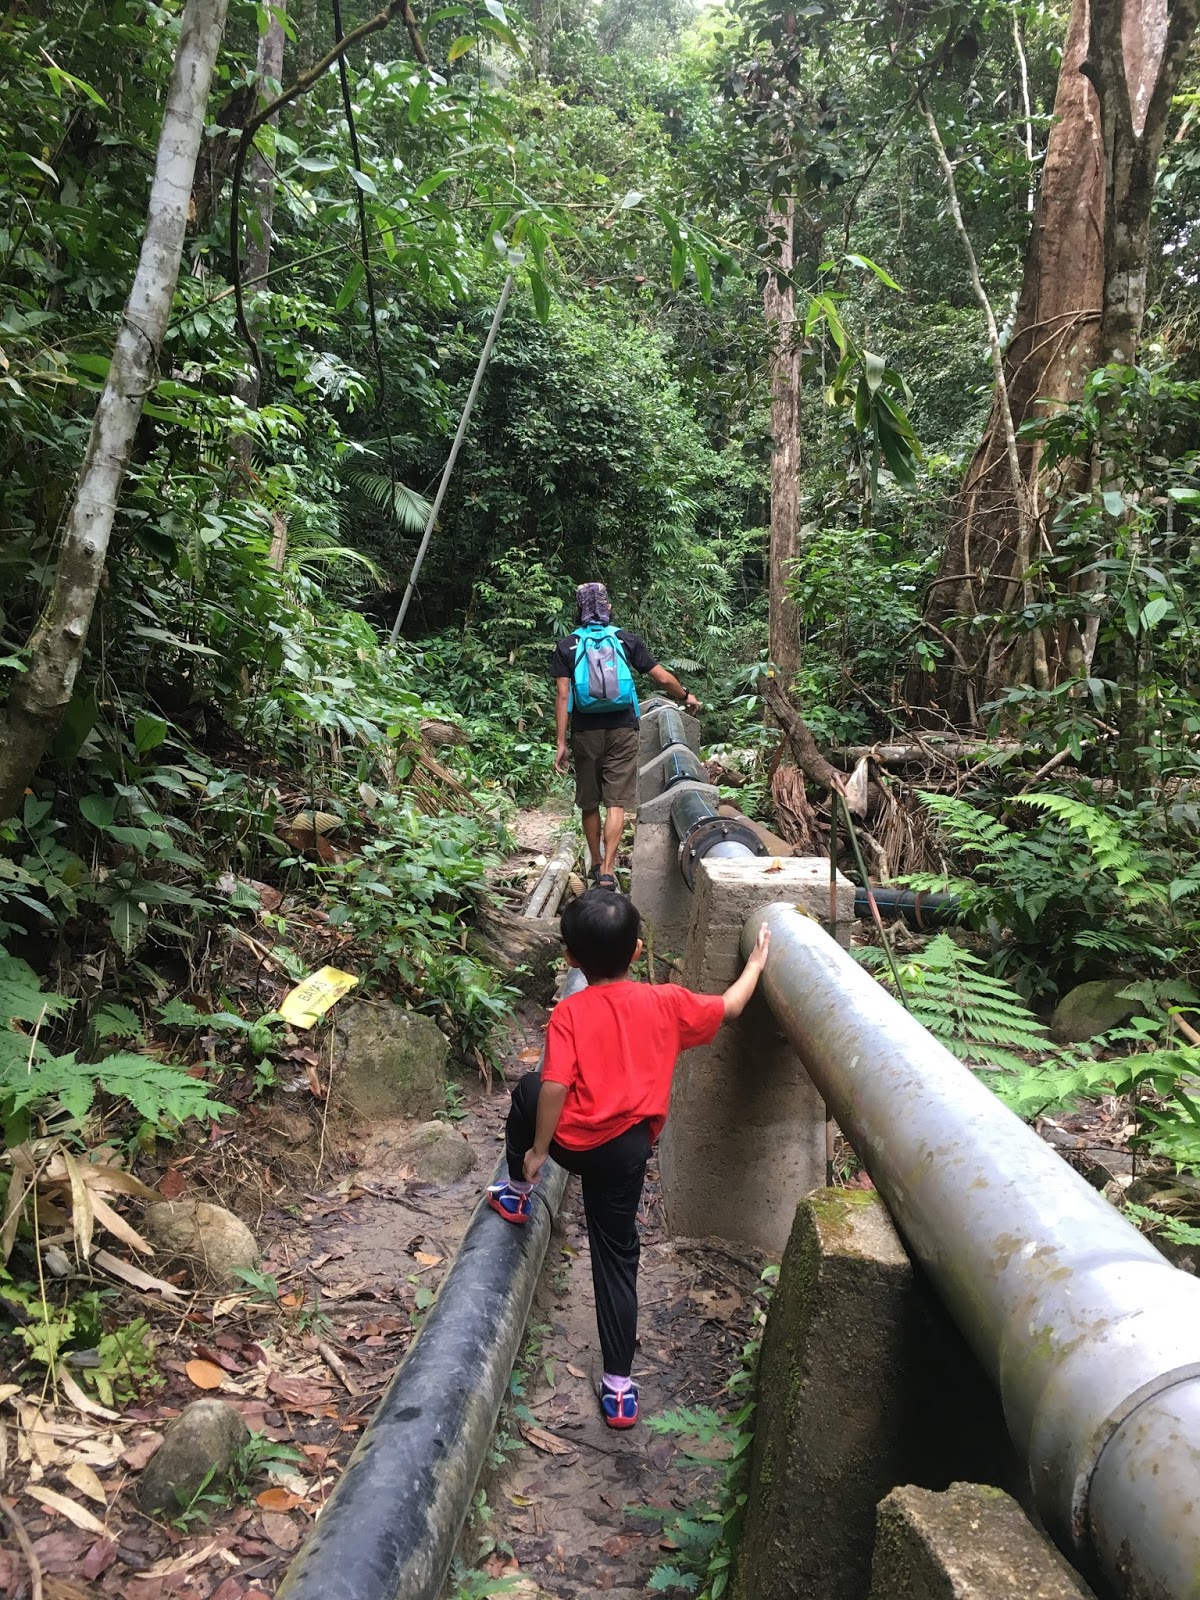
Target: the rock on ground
(437, 1152)
(210, 1241)
(393, 1062)
(1090, 1009)
(206, 1435)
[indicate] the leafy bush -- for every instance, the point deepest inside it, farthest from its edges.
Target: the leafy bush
(35, 1082)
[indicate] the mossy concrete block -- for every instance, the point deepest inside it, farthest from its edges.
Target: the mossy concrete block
(862, 1387)
(971, 1542)
(393, 1062)
(1090, 1009)
(198, 1450)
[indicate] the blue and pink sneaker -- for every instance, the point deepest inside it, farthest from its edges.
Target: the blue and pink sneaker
(512, 1205)
(619, 1407)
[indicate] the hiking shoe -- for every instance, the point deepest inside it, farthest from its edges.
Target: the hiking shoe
(594, 874)
(619, 1408)
(606, 880)
(512, 1205)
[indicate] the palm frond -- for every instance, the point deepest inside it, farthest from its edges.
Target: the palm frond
(410, 509)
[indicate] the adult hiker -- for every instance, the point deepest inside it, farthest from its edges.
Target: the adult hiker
(594, 667)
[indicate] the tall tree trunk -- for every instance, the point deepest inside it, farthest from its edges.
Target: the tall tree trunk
(261, 202)
(779, 308)
(1053, 347)
(1137, 53)
(57, 645)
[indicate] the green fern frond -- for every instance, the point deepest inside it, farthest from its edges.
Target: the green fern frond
(1112, 852)
(980, 1018)
(969, 828)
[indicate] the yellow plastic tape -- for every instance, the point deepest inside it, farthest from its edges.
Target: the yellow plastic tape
(313, 998)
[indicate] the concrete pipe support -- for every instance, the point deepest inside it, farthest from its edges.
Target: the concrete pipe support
(1091, 1336)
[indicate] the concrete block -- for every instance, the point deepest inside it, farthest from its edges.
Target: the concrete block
(862, 1385)
(657, 889)
(648, 728)
(746, 1122)
(971, 1542)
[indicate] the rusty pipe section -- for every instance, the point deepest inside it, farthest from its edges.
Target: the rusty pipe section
(1091, 1336)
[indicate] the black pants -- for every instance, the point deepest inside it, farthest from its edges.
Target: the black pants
(613, 1175)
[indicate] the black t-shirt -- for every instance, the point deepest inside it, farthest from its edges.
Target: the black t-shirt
(562, 665)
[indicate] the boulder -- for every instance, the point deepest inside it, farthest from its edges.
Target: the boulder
(1090, 1009)
(204, 1438)
(437, 1152)
(527, 950)
(393, 1062)
(210, 1241)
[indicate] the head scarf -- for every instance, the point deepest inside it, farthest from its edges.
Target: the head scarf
(592, 604)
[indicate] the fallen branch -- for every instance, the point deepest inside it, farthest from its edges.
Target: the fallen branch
(799, 737)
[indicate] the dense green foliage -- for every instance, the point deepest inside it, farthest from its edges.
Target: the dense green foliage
(627, 164)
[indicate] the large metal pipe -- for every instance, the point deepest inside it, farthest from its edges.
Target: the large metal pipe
(390, 1526)
(1091, 1336)
(703, 831)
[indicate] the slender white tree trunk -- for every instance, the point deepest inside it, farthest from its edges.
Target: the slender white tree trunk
(779, 310)
(56, 648)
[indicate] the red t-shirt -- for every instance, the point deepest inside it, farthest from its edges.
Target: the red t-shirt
(615, 1048)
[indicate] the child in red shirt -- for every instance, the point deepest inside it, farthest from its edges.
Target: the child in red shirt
(600, 1102)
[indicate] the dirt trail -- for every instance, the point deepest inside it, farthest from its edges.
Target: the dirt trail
(567, 1505)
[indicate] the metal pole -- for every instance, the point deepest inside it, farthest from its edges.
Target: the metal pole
(484, 358)
(1091, 1336)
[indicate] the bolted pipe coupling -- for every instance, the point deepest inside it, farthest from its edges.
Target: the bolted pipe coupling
(705, 832)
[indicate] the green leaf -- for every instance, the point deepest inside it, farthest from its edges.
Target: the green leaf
(1187, 497)
(148, 733)
(703, 275)
(541, 296)
(94, 808)
(365, 183)
(1154, 611)
(416, 101)
(1114, 502)
(868, 265)
(461, 45)
(350, 288)
(496, 9)
(428, 185)
(679, 262)
(633, 197)
(874, 368)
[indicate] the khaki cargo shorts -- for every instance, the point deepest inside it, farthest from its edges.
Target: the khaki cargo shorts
(606, 767)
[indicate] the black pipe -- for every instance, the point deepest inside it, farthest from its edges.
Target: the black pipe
(682, 766)
(670, 729)
(390, 1527)
(918, 908)
(703, 831)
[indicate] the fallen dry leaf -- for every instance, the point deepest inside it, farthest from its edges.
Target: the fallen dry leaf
(204, 1374)
(576, 1372)
(81, 1401)
(172, 1564)
(281, 1530)
(427, 1260)
(53, 1501)
(540, 1439)
(298, 1394)
(138, 1455)
(172, 1184)
(80, 1476)
(277, 1500)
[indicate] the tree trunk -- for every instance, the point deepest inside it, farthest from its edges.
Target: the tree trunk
(779, 310)
(1053, 347)
(1137, 52)
(40, 696)
(261, 208)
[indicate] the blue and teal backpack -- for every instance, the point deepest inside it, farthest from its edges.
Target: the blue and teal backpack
(603, 679)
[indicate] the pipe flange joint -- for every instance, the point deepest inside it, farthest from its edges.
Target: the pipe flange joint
(705, 835)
